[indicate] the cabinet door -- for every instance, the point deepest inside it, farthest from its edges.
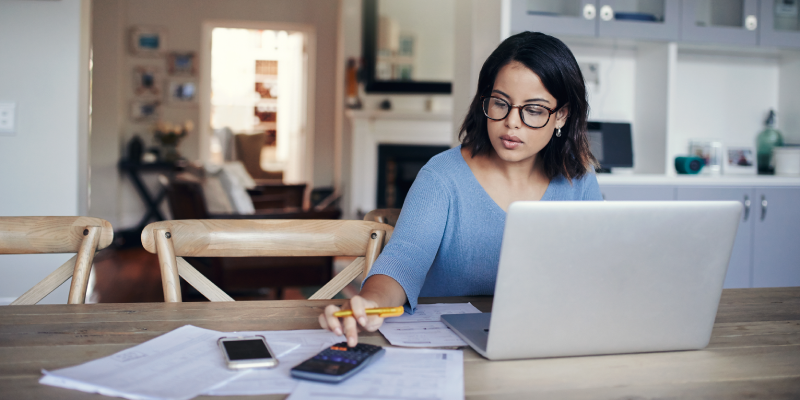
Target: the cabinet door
(780, 24)
(720, 21)
(740, 268)
(639, 19)
(637, 192)
(567, 17)
(776, 246)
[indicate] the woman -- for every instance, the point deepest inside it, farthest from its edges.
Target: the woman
(524, 138)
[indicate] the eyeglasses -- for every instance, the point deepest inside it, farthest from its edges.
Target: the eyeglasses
(532, 115)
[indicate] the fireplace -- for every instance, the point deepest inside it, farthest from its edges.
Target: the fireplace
(398, 166)
(409, 140)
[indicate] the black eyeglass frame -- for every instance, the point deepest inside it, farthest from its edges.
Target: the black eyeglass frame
(519, 107)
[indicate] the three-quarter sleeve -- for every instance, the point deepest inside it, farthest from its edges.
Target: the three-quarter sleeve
(417, 235)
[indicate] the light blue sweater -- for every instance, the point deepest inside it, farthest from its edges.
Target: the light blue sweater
(447, 239)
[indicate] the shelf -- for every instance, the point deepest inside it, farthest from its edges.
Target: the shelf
(399, 115)
(700, 180)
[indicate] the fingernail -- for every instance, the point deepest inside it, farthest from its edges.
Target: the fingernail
(338, 332)
(362, 321)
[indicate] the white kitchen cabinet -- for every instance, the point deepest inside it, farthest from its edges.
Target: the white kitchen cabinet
(776, 246)
(637, 192)
(720, 21)
(630, 19)
(740, 268)
(766, 251)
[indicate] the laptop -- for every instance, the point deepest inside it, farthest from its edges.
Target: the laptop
(588, 278)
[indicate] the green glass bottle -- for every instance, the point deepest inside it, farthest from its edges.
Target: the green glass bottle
(768, 139)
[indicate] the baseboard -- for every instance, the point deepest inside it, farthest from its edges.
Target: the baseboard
(4, 301)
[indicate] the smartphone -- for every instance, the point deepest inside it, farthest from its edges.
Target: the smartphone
(247, 352)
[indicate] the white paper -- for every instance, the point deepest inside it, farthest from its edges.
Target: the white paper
(399, 374)
(278, 380)
(177, 365)
(424, 328)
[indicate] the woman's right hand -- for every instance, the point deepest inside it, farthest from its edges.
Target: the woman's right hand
(349, 326)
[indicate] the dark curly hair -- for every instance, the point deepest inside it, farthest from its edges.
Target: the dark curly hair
(553, 62)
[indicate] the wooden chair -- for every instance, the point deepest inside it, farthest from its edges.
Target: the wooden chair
(39, 235)
(173, 240)
(387, 216)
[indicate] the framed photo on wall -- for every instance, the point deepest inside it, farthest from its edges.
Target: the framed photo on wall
(145, 110)
(182, 63)
(147, 81)
(739, 160)
(182, 91)
(148, 41)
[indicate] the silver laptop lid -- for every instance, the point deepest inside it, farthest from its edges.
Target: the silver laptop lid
(582, 278)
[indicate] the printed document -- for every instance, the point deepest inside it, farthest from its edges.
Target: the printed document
(177, 365)
(400, 374)
(424, 328)
(188, 362)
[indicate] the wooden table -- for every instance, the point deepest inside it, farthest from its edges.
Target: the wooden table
(754, 352)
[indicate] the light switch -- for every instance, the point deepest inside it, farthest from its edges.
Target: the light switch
(8, 113)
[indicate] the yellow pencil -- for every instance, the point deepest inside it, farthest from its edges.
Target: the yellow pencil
(383, 312)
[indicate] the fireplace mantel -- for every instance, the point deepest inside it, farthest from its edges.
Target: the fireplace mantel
(371, 128)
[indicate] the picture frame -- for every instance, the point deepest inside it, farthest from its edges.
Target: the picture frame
(182, 63)
(145, 110)
(182, 91)
(739, 160)
(710, 152)
(147, 81)
(148, 41)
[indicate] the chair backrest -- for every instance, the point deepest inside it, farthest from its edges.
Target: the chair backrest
(172, 240)
(39, 235)
(383, 215)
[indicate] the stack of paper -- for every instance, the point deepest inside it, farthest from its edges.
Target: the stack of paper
(400, 374)
(424, 328)
(178, 365)
(187, 362)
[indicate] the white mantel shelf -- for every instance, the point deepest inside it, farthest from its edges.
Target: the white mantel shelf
(700, 180)
(399, 115)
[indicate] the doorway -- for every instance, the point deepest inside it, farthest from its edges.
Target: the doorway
(257, 78)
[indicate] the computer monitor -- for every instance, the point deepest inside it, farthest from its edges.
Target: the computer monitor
(611, 144)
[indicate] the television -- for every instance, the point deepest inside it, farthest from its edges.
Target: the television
(611, 144)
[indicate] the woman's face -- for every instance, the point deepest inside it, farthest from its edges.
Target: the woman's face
(512, 139)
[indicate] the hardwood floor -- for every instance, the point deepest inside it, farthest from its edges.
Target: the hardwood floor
(132, 275)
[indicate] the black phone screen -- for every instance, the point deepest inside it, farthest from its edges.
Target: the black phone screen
(246, 349)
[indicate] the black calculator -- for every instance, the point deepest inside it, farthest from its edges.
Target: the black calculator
(337, 362)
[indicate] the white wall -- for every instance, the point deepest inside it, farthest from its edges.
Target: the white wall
(721, 97)
(433, 30)
(114, 198)
(44, 47)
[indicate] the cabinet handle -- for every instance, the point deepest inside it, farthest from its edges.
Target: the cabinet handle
(763, 207)
(746, 207)
(606, 13)
(751, 22)
(589, 12)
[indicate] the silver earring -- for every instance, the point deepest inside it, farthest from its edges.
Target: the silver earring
(558, 132)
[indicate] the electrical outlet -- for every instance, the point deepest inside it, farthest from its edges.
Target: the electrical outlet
(591, 72)
(8, 112)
